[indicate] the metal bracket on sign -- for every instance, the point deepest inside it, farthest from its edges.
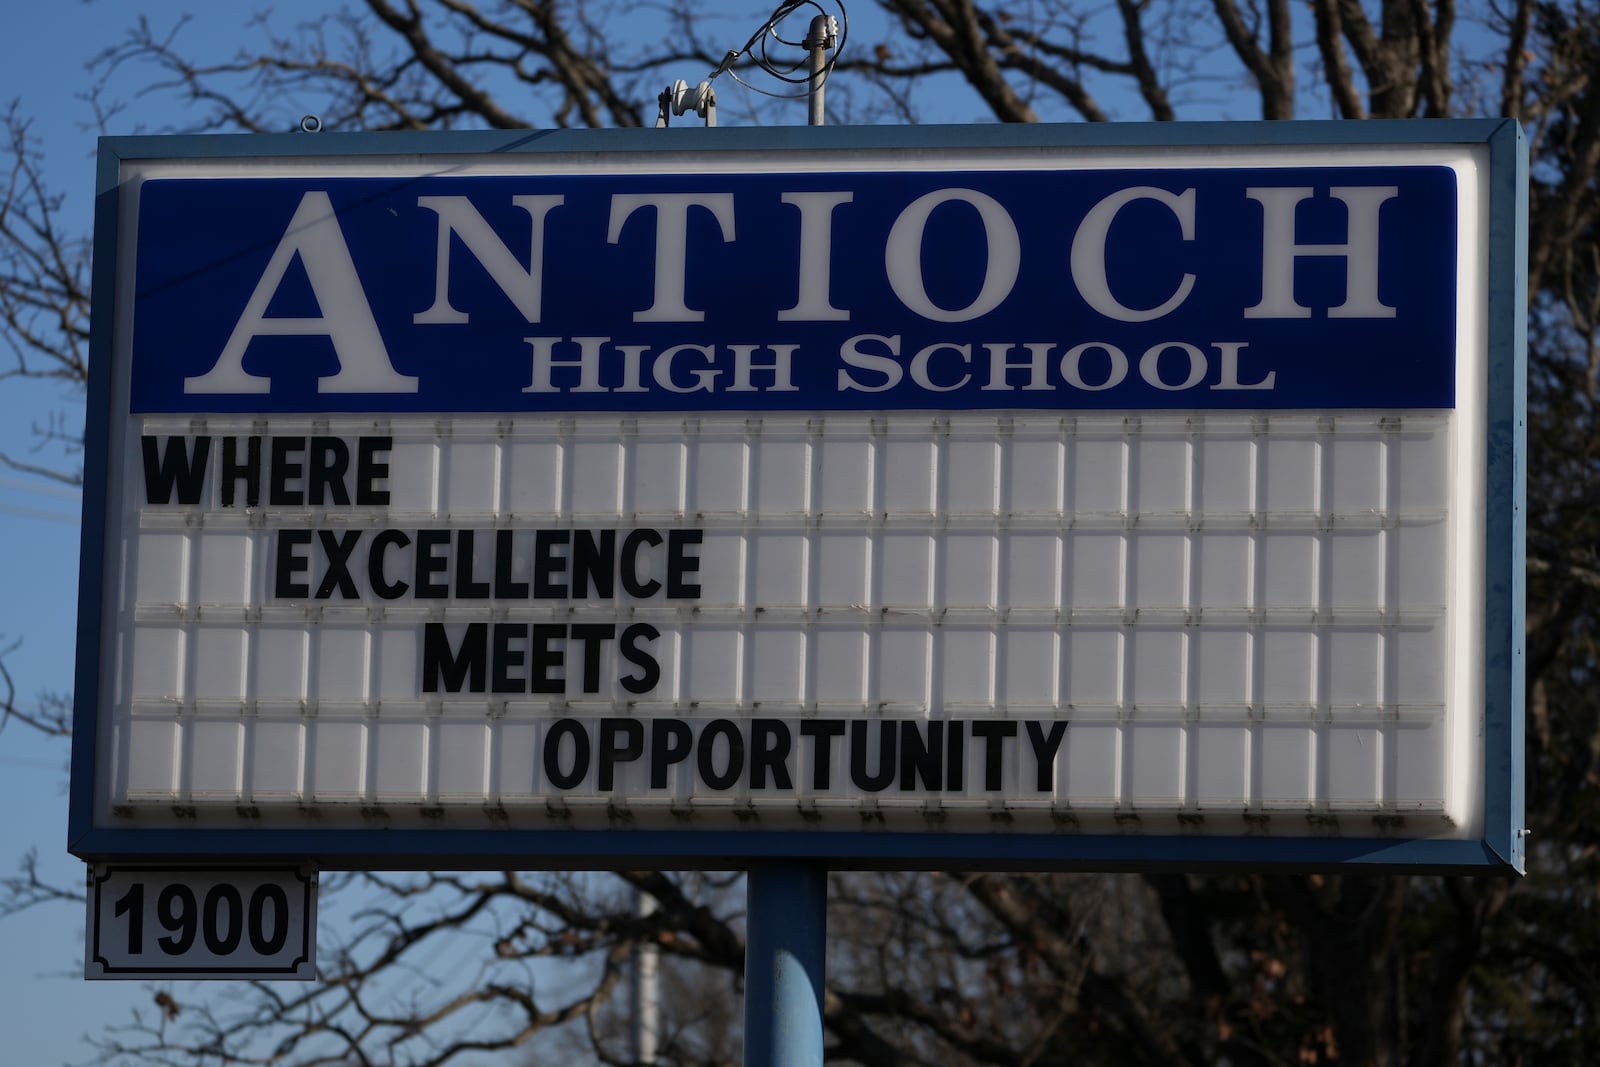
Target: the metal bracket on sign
(679, 99)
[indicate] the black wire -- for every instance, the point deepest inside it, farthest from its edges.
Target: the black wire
(756, 47)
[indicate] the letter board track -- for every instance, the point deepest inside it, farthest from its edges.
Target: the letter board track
(1046, 498)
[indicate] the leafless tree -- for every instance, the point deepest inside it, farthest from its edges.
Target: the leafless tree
(959, 968)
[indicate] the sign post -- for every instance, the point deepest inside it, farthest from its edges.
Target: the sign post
(1009, 497)
(783, 968)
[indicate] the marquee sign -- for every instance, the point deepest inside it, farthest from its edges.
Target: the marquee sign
(1044, 497)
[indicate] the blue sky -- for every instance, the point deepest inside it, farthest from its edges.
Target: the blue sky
(46, 1007)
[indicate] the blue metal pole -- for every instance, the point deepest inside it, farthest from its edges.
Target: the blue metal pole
(786, 930)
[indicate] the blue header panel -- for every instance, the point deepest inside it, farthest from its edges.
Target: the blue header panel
(1308, 287)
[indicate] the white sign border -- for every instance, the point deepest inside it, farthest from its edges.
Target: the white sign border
(1501, 507)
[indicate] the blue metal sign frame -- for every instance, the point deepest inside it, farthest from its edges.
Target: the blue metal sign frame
(1501, 847)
